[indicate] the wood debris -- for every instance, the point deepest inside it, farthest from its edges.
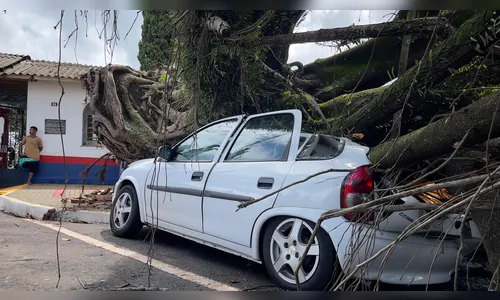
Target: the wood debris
(96, 199)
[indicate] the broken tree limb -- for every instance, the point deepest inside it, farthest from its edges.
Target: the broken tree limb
(454, 52)
(85, 172)
(308, 99)
(419, 26)
(218, 25)
(439, 137)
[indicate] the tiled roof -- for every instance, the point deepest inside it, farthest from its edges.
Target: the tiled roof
(7, 60)
(44, 68)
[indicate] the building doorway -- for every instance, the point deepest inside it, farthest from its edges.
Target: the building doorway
(13, 106)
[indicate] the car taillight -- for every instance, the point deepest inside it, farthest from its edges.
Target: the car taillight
(356, 189)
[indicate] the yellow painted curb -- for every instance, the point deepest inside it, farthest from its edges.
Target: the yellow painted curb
(12, 189)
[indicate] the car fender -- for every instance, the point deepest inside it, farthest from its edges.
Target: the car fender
(299, 212)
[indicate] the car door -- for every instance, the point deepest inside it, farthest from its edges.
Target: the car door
(254, 164)
(176, 185)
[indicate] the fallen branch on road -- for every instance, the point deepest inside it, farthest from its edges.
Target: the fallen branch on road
(85, 172)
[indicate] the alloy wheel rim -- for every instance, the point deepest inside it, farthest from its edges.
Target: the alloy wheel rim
(288, 245)
(122, 210)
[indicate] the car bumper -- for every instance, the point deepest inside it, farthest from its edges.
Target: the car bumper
(416, 260)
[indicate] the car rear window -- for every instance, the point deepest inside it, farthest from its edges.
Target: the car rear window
(319, 146)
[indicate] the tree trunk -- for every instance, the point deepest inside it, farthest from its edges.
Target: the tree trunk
(366, 66)
(128, 119)
(434, 102)
(348, 103)
(487, 222)
(439, 137)
(455, 52)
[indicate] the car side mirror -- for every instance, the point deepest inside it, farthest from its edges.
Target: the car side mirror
(165, 152)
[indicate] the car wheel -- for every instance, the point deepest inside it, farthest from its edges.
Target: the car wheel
(284, 243)
(124, 218)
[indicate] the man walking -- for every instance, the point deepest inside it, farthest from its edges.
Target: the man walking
(30, 157)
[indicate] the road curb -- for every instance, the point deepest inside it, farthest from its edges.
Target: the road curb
(46, 213)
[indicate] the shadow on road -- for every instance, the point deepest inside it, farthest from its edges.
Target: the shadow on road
(196, 258)
(237, 271)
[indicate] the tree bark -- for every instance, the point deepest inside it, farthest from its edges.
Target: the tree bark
(422, 26)
(366, 66)
(488, 224)
(439, 137)
(348, 103)
(129, 122)
(455, 52)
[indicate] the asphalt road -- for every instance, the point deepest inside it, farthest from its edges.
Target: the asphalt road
(28, 254)
(29, 263)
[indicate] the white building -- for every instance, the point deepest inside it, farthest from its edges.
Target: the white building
(31, 86)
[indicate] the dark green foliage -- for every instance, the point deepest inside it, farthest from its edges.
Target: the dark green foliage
(155, 46)
(221, 78)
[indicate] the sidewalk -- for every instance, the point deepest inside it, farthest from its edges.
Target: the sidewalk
(43, 202)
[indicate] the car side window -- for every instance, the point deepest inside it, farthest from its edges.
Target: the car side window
(265, 138)
(204, 145)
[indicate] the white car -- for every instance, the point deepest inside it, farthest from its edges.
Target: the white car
(193, 190)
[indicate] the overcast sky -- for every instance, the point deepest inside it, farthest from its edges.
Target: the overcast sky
(32, 33)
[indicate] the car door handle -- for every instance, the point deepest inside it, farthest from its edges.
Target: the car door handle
(197, 176)
(265, 183)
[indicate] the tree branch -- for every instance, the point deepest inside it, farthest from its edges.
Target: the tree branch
(453, 53)
(310, 100)
(355, 32)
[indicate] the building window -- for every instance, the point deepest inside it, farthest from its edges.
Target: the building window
(89, 138)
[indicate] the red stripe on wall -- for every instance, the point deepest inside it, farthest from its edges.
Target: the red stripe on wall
(73, 160)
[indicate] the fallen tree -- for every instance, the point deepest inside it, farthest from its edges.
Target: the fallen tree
(456, 51)
(444, 99)
(438, 138)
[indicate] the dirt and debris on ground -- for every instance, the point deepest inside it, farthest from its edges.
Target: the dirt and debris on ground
(96, 200)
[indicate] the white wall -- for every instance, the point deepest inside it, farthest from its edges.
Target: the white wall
(41, 94)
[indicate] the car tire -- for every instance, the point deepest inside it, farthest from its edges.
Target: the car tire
(279, 247)
(124, 218)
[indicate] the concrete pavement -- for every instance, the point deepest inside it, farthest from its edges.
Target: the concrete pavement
(43, 202)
